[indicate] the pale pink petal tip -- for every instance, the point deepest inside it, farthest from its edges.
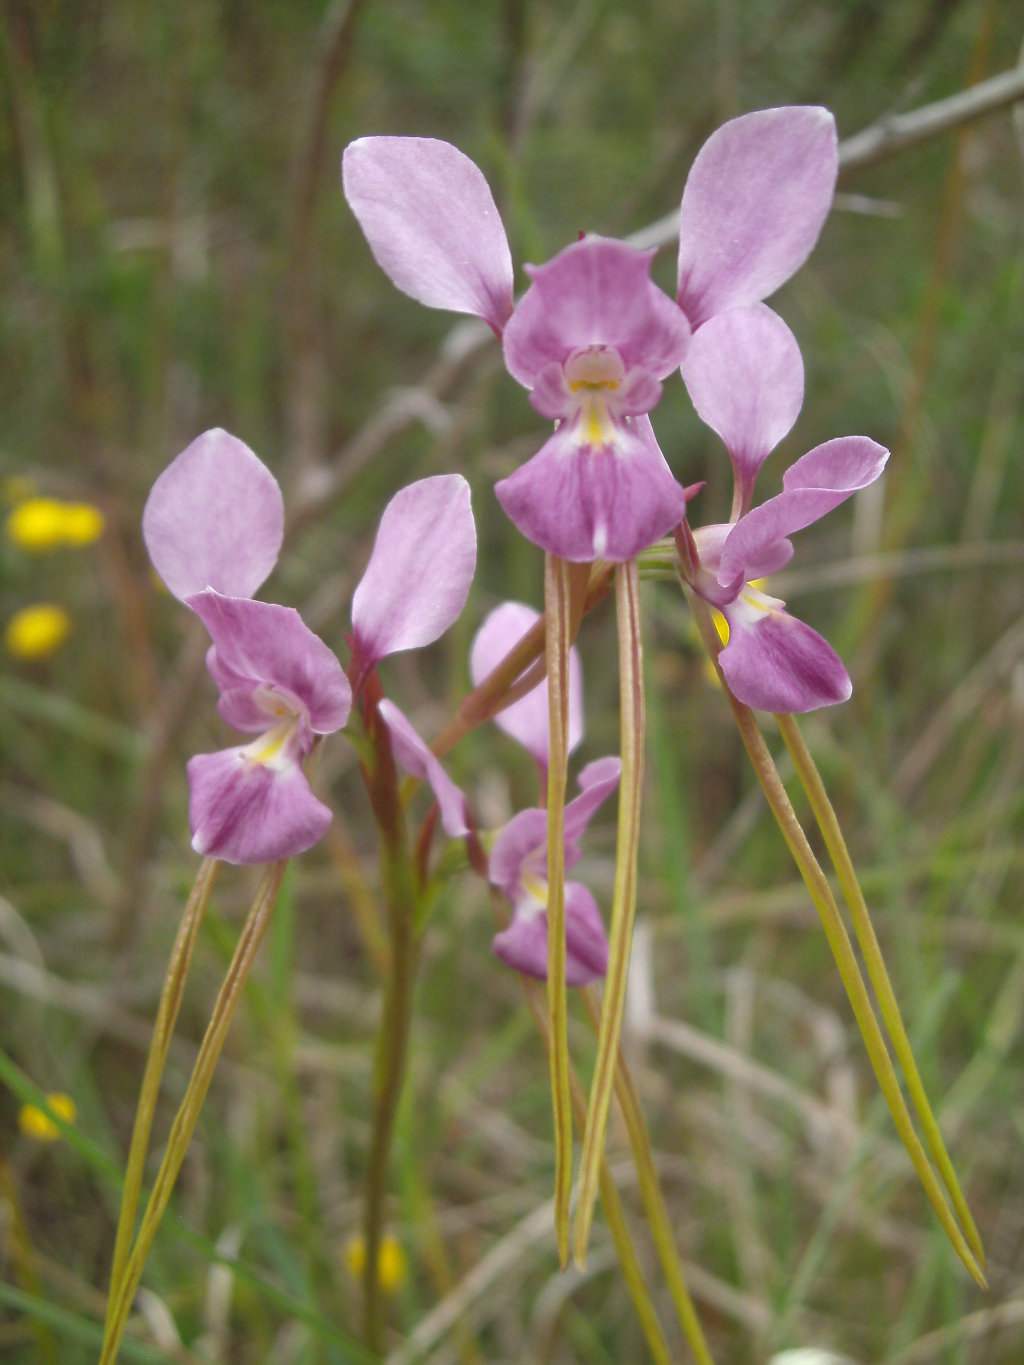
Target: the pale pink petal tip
(214, 519)
(526, 720)
(415, 757)
(420, 571)
(755, 201)
(431, 223)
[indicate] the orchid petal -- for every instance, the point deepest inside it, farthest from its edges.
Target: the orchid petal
(754, 204)
(214, 519)
(773, 662)
(245, 811)
(260, 645)
(745, 376)
(431, 222)
(818, 482)
(523, 842)
(526, 720)
(583, 503)
(597, 292)
(523, 945)
(596, 782)
(416, 758)
(420, 571)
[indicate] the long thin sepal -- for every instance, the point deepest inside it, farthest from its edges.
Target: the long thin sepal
(612, 1206)
(557, 630)
(650, 1194)
(256, 925)
(627, 848)
(839, 941)
(163, 1030)
(825, 816)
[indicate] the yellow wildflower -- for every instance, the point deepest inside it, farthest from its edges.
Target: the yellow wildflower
(38, 631)
(83, 524)
(391, 1263)
(36, 1123)
(42, 524)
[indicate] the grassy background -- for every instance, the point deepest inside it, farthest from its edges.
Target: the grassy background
(175, 253)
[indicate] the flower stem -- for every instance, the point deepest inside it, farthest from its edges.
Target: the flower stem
(627, 848)
(389, 1073)
(557, 613)
(163, 1029)
(253, 932)
(839, 942)
(825, 816)
(612, 1204)
(650, 1193)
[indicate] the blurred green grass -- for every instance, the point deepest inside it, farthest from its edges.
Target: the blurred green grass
(175, 253)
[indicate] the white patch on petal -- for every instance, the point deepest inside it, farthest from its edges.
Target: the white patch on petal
(600, 540)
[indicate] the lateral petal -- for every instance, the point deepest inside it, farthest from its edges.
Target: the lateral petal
(818, 482)
(420, 571)
(416, 758)
(262, 644)
(432, 224)
(214, 519)
(755, 202)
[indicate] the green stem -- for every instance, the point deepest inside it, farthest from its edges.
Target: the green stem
(825, 816)
(163, 1030)
(627, 849)
(253, 932)
(612, 1204)
(389, 1070)
(557, 612)
(650, 1194)
(839, 941)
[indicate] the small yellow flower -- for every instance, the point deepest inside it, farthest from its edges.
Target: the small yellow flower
(34, 1123)
(42, 524)
(391, 1263)
(83, 524)
(38, 631)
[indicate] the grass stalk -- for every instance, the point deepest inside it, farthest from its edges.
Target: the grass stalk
(163, 1031)
(627, 848)
(839, 941)
(650, 1194)
(825, 816)
(557, 613)
(252, 935)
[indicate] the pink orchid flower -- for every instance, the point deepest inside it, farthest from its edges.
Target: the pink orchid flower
(518, 860)
(213, 525)
(593, 337)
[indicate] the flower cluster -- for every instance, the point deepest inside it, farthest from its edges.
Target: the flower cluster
(213, 524)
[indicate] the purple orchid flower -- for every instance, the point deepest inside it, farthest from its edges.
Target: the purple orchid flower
(518, 867)
(772, 661)
(593, 337)
(213, 525)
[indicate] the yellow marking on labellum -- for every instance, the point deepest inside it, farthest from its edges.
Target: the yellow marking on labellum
(268, 747)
